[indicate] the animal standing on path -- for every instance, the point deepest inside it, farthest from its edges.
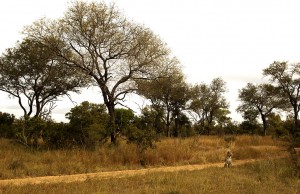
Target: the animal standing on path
(228, 160)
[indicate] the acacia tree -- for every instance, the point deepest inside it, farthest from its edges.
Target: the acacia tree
(287, 78)
(31, 73)
(264, 98)
(169, 93)
(208, 101)
(98, 40)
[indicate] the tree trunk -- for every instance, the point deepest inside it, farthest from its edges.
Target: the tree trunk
(168, 124)
(208, 128)
(176, 133)
(209, 120)
(295, 122)
(112, 123)
(265, 124)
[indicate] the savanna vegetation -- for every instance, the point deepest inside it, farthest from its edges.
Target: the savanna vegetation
(94, 44)
(182, 123)
(262, 177)
(274, 174)
(17, 161)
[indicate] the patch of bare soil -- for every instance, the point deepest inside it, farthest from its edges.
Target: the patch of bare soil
(113, 174)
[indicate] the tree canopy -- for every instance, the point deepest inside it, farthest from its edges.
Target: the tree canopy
(169, 93)
(88, 122)
(260, 99)
(207, 101)
(287, 78)
(115, 52)
(33, 74)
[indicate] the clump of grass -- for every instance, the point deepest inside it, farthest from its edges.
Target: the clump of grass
(229, 139)
(16, 165)
(255, 140)
(242, 153)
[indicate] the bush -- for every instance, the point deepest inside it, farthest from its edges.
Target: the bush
(29, 130)
(6, 122)
(143, 138)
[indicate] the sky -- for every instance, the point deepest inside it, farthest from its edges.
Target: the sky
(232, 39)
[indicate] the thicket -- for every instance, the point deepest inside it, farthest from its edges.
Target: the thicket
(88, 128)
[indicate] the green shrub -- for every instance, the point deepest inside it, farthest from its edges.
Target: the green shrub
(143, 138)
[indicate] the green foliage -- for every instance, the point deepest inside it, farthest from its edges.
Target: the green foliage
(248, 127)
(207, 101)
(168, 95)
(276, 125)
(96, 39)
(152, 118)
(231, 128)
(143, 138)
(29, 131)
(38, 133)
(88, 123)
(58, 135)
(183, 126)
(260, 100)
(124, 117)
(144, 130)
(86, 114)
(32, 73)
(6, 122)
(286, 77)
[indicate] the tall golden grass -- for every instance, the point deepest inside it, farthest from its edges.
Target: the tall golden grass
(274, 176)
(17, 161)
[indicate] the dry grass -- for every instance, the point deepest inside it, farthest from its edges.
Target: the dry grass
(17, 161)
(262, 177)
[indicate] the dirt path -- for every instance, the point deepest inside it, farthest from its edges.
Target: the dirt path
(113, 174)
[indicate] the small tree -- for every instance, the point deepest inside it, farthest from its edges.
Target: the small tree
(169, 93)
(183, 126)
(250, 122)
(152, 118)
(276, 124)
(223, 121)
(287, 78)
(207, 101)
(264, 98)
(88, 123)
(145, 129)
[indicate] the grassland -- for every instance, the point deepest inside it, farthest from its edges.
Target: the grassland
(17, 161)
(269, 176)
(273, 176)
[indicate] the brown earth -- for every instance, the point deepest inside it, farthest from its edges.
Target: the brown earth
(113, 174)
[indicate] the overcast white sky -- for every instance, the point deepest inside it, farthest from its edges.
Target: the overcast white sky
(232, 39)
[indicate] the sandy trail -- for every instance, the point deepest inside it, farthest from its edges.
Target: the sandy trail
(113, 174)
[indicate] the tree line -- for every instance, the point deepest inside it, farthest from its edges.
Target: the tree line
(94, 44)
